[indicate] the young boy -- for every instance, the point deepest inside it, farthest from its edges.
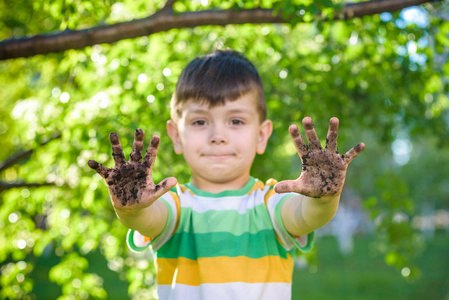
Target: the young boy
(224, 235)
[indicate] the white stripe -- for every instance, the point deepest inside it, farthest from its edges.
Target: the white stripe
(283, 235)
(226, 291)
(139, 240)
(167, 234)
(238, 203)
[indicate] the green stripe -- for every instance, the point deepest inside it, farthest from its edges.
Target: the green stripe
(131, 245)
(130, 238)
(310, 236)
(254, 220)
(192, 246)
(169, 221)
(240, 192)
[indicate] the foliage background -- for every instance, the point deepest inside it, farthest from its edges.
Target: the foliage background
(384, 77)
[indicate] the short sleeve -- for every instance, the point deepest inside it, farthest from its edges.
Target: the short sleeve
(303, 242)
(137, 242)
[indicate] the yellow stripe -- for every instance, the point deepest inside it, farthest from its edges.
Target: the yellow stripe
(178, 208)
(268, 195)
(271, 182)
(224, 270)
(258, 185)
(184, 189)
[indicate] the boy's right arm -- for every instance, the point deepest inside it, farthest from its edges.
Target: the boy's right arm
(131, 187)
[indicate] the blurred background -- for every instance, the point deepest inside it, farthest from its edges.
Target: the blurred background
(384, 75)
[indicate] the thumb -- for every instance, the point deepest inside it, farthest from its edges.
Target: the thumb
(285, 186)
(165, 185)
(151, 194)
(170, 182)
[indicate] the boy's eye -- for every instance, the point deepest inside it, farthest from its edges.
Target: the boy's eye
(236, 122)
(199, 122)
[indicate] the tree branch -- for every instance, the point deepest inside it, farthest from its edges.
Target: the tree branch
(169, 4)
(21, 155)
(10, 185)
(17, 157)
(360, 9)
(165, 20)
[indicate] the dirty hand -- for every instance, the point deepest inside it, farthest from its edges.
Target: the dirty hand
(323, 170)
(130, 183)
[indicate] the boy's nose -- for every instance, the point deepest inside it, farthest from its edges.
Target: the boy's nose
(217, 136)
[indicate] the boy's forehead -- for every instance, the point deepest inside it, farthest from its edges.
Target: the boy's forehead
(245, 103)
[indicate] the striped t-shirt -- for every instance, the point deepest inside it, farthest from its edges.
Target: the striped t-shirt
(228, 245)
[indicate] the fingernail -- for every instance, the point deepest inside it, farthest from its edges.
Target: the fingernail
(334, 123)
(113, 137)
(92, 164)
(155, 141)
(359, 147)
(139, 134)
(307, 122)
(294, 131)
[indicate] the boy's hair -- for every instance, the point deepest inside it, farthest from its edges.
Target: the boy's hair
(223, 75)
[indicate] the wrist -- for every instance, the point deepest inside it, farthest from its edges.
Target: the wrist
(128, 212)
(328, 198)
(149, 221)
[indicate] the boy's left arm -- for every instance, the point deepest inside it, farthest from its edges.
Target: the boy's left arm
(321, 181)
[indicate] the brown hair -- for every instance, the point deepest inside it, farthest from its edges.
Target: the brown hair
(223, 75)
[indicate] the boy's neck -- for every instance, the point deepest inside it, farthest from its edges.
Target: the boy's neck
(206, 185)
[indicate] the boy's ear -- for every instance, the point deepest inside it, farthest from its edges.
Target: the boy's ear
(266, 128)
(173, 132)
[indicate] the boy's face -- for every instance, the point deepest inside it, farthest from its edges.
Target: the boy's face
(220, 143)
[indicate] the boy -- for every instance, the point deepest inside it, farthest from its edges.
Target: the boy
(224, 235)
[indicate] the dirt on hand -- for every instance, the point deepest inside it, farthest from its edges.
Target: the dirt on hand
(130, 182)
(323, 170)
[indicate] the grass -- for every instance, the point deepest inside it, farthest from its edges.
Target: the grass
(362, 276)
(338, 277)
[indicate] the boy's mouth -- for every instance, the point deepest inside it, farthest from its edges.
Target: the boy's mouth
(218, 156)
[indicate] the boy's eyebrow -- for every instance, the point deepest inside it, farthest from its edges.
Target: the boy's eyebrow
(232, 111)
(197, 110)
(240, 110)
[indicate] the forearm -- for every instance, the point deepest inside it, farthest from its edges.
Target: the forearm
(302, 215)
(149, 221)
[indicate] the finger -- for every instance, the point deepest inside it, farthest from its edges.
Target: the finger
(332, 134)
(285, 186)
(312, 138)
(164, 186)
(150, 155)
(160, 189)
(300, 145)
(353, 152)
(99, 168)
(117, 150)
(136, 153)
